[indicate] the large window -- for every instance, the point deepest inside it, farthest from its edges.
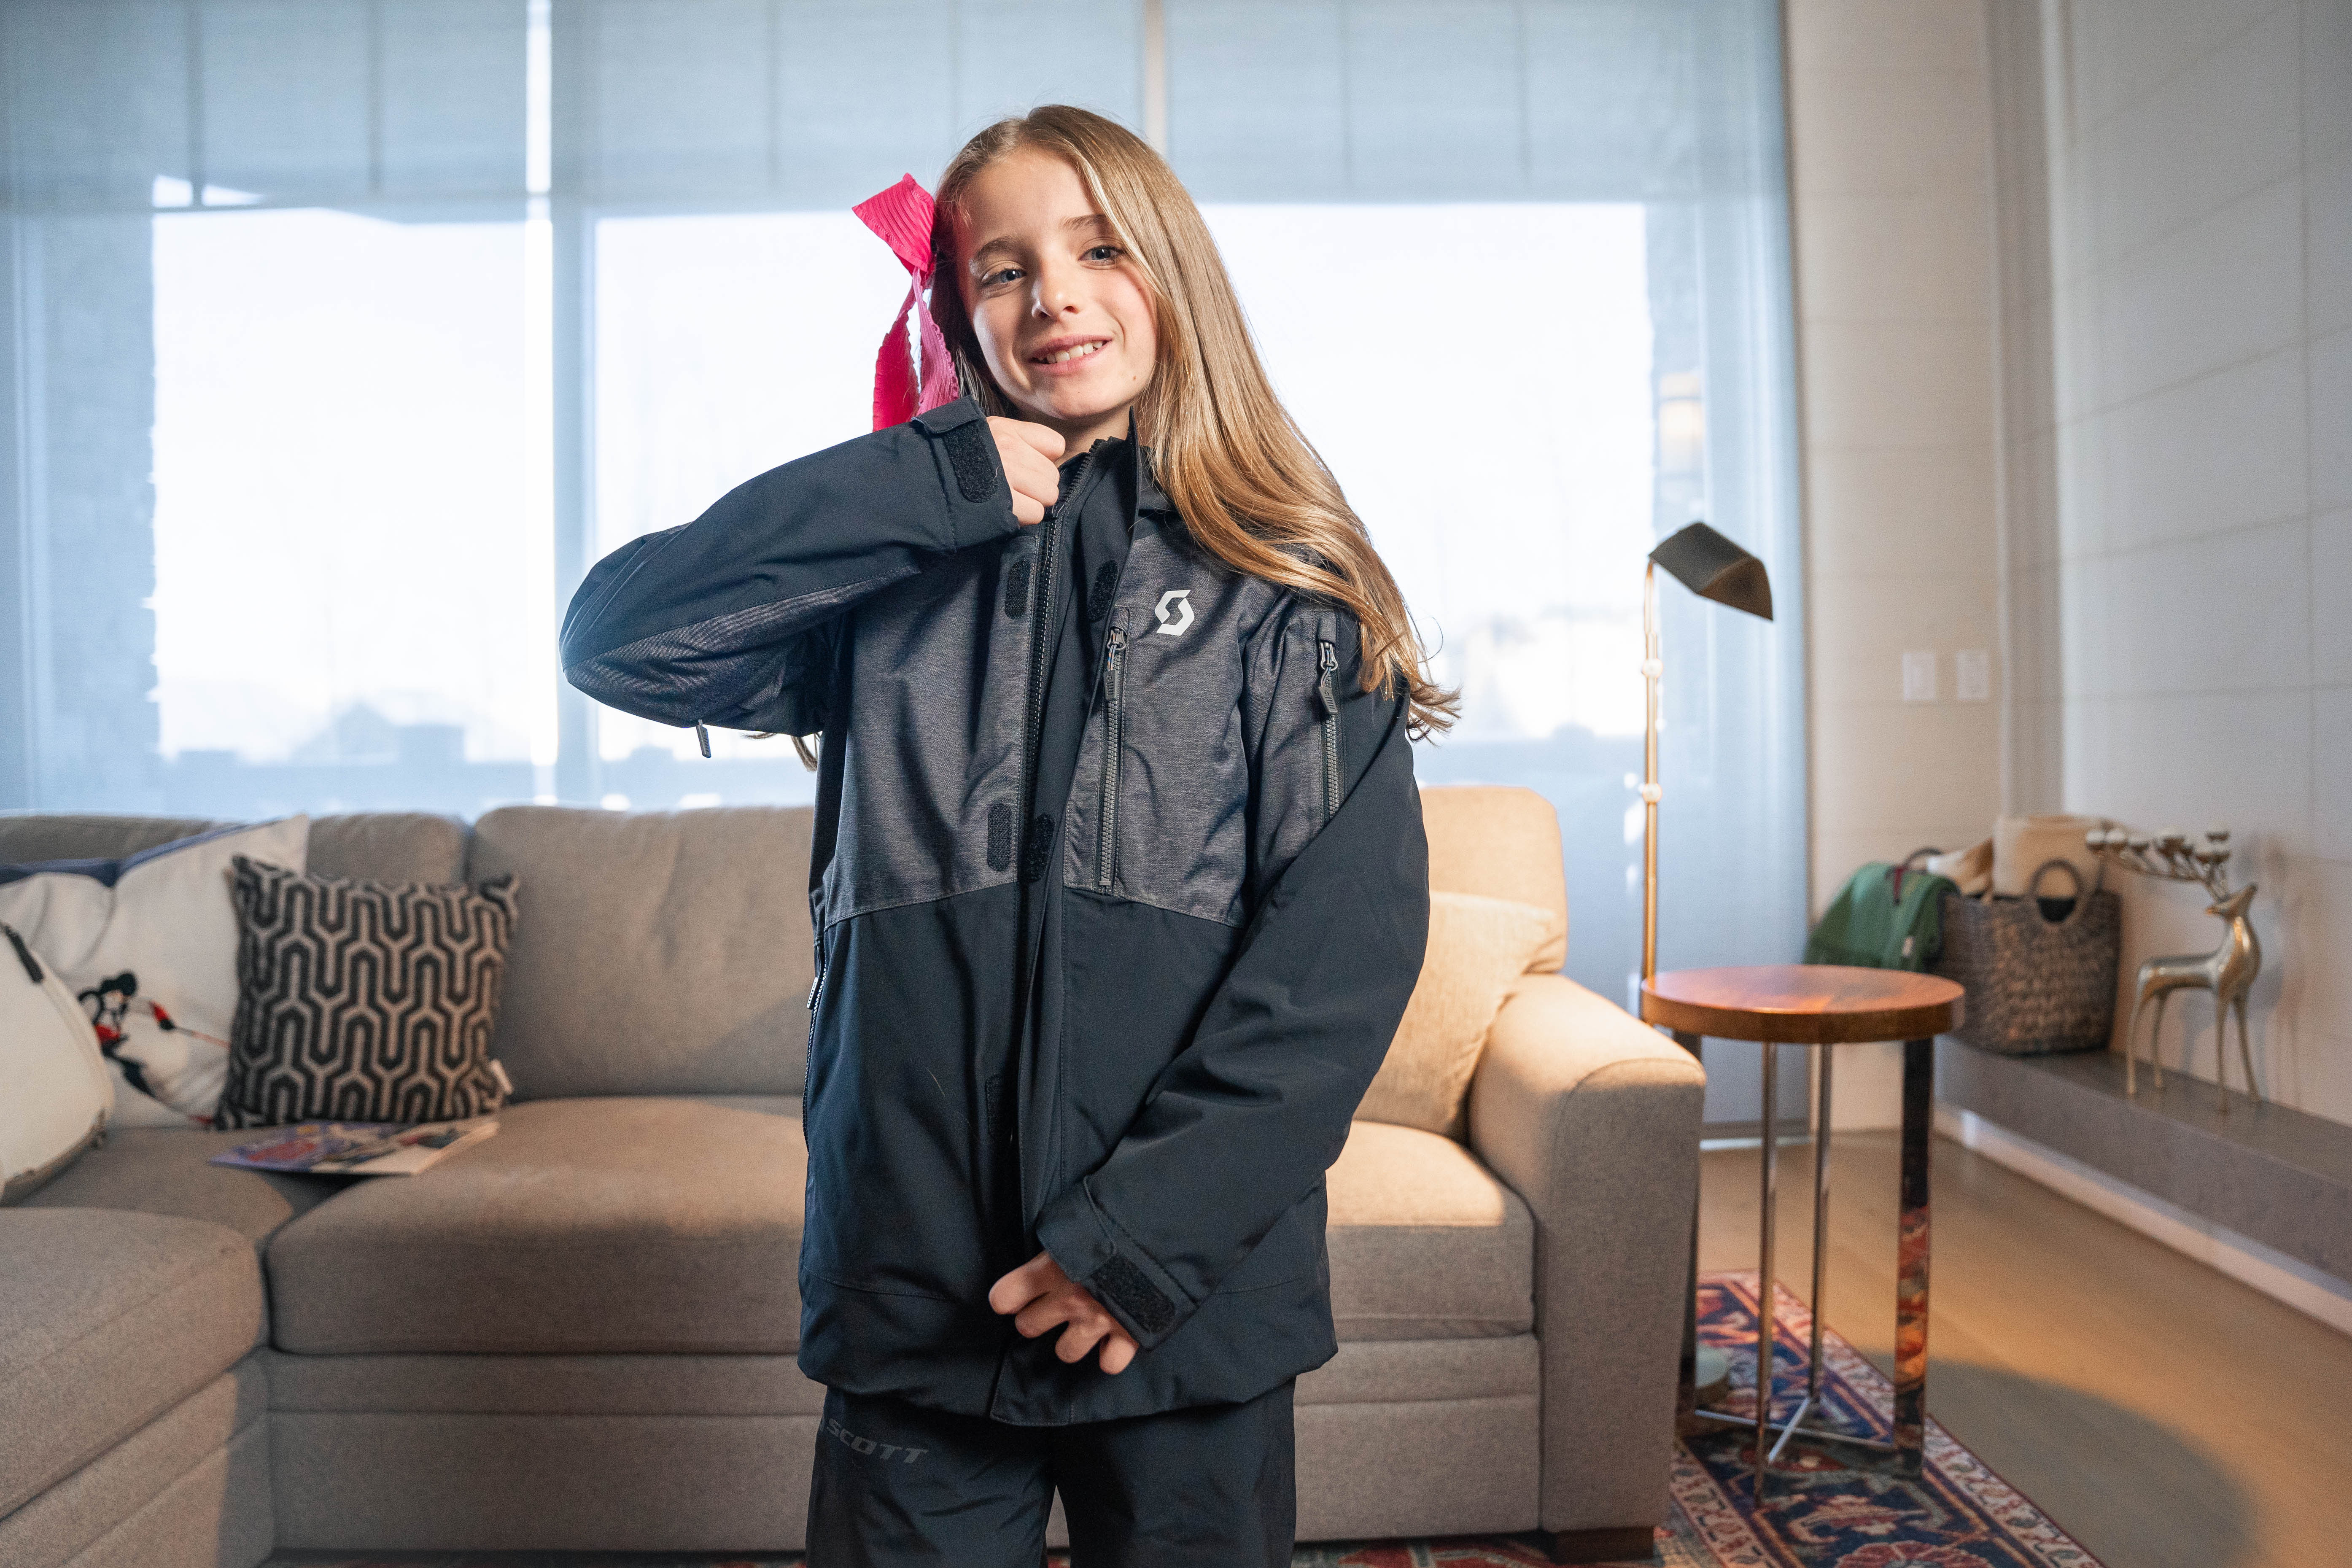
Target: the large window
(347, 335)
(351, 604)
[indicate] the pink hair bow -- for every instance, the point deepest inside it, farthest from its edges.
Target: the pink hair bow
(904, 383)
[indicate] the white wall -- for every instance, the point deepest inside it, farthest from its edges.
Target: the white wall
(2176, 343)
(1890, 174)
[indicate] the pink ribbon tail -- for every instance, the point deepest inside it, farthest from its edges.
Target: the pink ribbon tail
(909, 378)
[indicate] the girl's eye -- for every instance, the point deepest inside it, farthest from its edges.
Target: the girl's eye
(1002, 275)
(1103, 253)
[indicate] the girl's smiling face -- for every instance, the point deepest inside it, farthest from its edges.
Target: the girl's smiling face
(1062, 316)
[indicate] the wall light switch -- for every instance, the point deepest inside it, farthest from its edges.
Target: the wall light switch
(1919, 676)
(1972, 675)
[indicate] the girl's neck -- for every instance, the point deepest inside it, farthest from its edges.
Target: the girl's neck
(1080, 434)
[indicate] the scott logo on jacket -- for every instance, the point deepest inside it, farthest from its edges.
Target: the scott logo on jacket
(1173, 612)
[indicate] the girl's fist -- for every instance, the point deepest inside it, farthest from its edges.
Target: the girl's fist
(1039, 1295)
(1028, 453)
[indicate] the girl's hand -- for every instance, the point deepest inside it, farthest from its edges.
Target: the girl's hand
(1028, 453)
(1040, 1295)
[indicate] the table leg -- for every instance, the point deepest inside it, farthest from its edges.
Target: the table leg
(1771, 1150)
(1686, 1391)
(1825, 1057)
(1911, 1260)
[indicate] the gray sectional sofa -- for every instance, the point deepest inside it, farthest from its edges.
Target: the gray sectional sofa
(580, 1333)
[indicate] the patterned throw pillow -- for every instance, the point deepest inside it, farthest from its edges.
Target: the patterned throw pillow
(363, 1001)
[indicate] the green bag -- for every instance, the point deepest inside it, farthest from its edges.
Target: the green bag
(1886, 917)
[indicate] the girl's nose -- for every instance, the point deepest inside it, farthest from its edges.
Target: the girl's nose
(1056, 291)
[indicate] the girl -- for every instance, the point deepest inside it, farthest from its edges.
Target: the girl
(1119, 881)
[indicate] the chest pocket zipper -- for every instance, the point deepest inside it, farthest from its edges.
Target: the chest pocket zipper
(1114, 706)
(1327, 662)
(816, 987)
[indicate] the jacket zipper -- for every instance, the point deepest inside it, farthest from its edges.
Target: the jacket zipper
(1114, 695)
(1049, 547)
(1326, 659)
(816, 985)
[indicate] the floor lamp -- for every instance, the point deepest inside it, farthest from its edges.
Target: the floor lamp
(1713, 568)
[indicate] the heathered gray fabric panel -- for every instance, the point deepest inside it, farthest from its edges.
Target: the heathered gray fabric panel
(106, 1321)
(585, 1227)
(938, 683)
(1445, 1468)
(1401, 1372)
(1425, 1244)
(1594, 1119)
(389, 847)
(1182, 824)
(42, 835)
(84, 1507)
(544, 1385)
(219, 1515)
(576, 1483)
(165, 1171)
(657, 952)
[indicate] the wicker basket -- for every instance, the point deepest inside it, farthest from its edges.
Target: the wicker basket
(2036, 985)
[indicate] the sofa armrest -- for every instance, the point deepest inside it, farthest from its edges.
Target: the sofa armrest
(1593, 1117)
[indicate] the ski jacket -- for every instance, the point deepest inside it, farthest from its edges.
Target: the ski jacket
(1119, 889)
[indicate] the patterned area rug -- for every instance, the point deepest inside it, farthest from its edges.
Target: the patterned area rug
(1826, 1506)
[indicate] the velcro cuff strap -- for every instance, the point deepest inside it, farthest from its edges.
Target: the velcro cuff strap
(1119, 1283)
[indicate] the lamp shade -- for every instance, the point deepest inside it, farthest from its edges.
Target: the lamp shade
(1713, 568)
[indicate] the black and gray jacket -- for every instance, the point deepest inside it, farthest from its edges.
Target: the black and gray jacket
(1119, 887)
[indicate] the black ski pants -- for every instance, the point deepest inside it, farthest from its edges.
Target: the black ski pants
(1207, 1487)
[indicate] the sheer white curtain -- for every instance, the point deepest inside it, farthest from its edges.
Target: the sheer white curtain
(1521, 270)
(411, 307)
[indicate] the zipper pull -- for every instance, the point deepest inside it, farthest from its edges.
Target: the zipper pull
(1326, 659)
(24, 954)
(702, 735)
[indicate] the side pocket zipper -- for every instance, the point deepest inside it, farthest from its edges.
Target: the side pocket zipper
(1326, 659)
(1114, 700)
(816, 985)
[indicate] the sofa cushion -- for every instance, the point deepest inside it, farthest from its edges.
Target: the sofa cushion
(585, 1227)
(61, 835)
(549, 1384)
(389, 847)
(163, 1171)
(1425, 1243)
(107, 1319)
(186, 1444)
(664, 953)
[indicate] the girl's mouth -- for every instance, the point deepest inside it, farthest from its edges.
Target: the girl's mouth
(1066, 353)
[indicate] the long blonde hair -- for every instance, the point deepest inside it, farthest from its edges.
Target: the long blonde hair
(1252, 491)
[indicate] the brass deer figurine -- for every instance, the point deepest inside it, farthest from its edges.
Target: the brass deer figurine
(2227, 972)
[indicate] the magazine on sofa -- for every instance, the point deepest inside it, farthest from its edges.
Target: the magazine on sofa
(357, 1148)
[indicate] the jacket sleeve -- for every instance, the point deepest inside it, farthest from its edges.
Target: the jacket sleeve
(728, 620)
(1243, 1124)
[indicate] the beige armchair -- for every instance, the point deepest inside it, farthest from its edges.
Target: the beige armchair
(1592, 1118)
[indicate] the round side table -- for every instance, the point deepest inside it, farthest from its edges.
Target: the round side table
(1829, 1005)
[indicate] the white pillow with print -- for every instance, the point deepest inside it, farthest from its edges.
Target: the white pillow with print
(148, 944)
